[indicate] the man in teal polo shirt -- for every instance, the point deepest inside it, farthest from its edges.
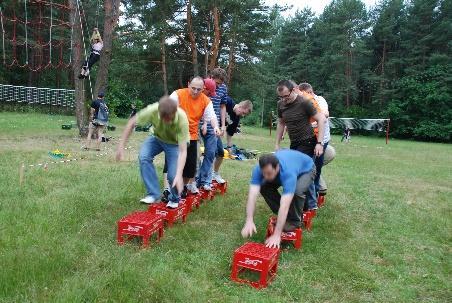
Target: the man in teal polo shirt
(171, 136)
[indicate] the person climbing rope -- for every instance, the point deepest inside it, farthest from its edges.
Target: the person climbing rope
(96, 47)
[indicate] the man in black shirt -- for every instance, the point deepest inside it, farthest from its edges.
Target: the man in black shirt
(295, 112)
(234, 112)
(98, 121)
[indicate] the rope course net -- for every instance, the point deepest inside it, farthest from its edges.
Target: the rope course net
(36, 34)
(37, 96)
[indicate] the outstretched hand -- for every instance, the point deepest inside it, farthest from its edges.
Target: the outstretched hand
(273, 241)
(249, 229)
(120, 154)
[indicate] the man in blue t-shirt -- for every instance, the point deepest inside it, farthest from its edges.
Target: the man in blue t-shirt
(292, 170)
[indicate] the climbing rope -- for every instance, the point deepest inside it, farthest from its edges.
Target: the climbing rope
(26, 32)
(80, 5)
(3, 36)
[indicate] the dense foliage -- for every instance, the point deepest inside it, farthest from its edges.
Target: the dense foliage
(389, 61)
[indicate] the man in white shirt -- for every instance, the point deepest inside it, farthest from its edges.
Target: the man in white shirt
(307, 88)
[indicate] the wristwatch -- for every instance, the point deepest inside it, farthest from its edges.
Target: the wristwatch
(321, 143)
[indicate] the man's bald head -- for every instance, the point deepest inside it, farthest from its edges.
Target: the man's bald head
(196, 87)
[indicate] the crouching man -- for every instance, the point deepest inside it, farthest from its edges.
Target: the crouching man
(292, 170)
(171, 136)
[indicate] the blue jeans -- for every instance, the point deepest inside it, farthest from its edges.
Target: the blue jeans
(318, 165)
(151, 147)
(210, 147)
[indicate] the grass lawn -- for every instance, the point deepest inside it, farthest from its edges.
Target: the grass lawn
(383, 236)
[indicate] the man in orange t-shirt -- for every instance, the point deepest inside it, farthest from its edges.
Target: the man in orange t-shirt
(195, 104)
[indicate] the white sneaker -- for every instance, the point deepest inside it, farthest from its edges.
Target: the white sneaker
(148, 200)
(172, 204)
(218, 178)
(206, 187)
(191, 187)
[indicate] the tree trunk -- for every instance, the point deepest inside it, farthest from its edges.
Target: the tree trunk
(164, 74)
(231, 60)
(77, 61)
(111, 9)
(206, 48)
(216, 41)
(191, 36)
(382, 72)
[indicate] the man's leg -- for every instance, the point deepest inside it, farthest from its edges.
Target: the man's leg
(190, 164)
(100, 132)
(318, 166)
(171, 156)
(271, 196)
(209, 155)
(91, 129)
(304, 182)
(308, 149)
(150, 148)
(218, 161)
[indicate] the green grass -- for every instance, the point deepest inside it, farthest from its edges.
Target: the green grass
(384, 235)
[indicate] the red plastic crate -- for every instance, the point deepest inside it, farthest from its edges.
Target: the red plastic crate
(170, 215)
(321, 200)
(140, 224)
(221, 188)
(296, 236)
(258, 258)
(206, 195)
(308, 216)
(193, 201)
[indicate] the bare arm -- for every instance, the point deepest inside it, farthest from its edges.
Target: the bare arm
(321, 120)
(275, 239)
(91, 114)
(181, 158)
(223, 117)
(285, 202)
(279, 132)
(125, 137)
(249, 227)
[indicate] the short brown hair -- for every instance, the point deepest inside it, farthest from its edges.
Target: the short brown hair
(167, 107)
(247, 104)
(218, 73)
(305, 86)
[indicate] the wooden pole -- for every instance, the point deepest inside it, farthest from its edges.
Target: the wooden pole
(387, 131)
(271, 122)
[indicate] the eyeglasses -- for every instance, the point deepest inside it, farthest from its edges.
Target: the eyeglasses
(197, 89)
(285, 96)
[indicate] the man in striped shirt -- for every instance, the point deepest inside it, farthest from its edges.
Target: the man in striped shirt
(213, 146)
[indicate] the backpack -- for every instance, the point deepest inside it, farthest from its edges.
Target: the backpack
(102, 114)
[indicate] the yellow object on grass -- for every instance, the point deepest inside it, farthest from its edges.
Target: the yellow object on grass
(226, 153)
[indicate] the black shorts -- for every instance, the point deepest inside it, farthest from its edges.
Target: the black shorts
(190, 163)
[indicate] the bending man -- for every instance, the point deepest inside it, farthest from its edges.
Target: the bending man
(171, 136)
(292, 170)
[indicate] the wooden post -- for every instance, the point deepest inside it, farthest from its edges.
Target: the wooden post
(21, 174)
(271, 122)
(387, 132)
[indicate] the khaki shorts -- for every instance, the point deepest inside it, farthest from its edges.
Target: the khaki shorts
(96, 127)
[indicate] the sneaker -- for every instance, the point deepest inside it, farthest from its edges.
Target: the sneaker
(148, 200)
(191, 188)
(218, 178)
(184, 192)
(165, 195)
(206, 187)
(173, 205)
